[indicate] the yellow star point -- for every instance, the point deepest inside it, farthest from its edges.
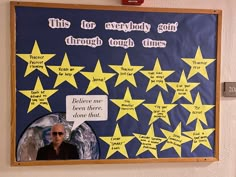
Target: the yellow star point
(97, 78)
(126, 71)
(174, 139)
(65, 72)
(117, 143)
(36, 60)
(198, 64)
(39, 96)
(127, 105)
(197, 110)
(157, 76)
(200, 136)
(149, 142)
(160, 110)
(183, 88)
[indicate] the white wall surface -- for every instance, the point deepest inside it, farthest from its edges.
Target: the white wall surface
(226, 167)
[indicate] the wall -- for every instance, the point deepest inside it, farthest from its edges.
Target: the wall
(225, 167)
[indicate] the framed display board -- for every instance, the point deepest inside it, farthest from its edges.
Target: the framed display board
(106, 84)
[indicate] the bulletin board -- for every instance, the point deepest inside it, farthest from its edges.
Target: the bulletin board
(130, 84)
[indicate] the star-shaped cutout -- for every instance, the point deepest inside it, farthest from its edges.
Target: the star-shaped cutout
(126, 71)
(200, 136)
(174, 139)
(127, 105)
(97, 78)
(39, 96)
(149, 142)
(197, 110)
(117, 143)
(36, 60)
(65, 72)
(159, 110)
(198, 64)
(182, 88)
(157, 76)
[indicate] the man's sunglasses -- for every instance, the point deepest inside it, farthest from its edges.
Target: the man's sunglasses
(57, 133)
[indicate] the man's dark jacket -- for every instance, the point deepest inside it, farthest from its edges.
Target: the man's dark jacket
(67, 151)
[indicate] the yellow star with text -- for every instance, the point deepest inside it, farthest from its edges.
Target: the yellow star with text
(197, 110)
(65, 72)
(127, 105)
(159, 110)
(198, 64)
(117, 143)
(157, 76)
(200, 136)
(97, 78)
(149, 142)
(39, 96)
(182, 88)
(126, 71)
(174, 139)
(36, 60)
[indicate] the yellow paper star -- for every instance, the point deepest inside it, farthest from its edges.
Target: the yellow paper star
(156, 76)
(97, 78)
(160, 110)
(174, 139)
(198, 64)
(149, 142)
(39, 96)
(65, 72)
(197, 110)
(117, 143)
(36, 60)
(127, 105)
(199, 136)
(182, 88)
(126, 71)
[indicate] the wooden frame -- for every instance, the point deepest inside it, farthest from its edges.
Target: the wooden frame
(206, 44)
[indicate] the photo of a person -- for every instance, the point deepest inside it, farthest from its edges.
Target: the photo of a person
(58, 149)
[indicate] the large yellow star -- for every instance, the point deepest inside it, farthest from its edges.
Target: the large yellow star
(39, 96)
(126, 71)
(197, 110)
(199, 136)
(97, 78)
(182, 88)
(198, 64)
(159, 110)
(174, 139)
(149, 142)
(156, 76)
(127, 105)
(117, 143)
(65, 72)
(36, 60)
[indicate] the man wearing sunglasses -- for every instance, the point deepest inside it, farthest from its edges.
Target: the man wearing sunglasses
(57, 149)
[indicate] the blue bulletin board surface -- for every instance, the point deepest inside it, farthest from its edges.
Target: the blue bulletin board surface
(129, 84)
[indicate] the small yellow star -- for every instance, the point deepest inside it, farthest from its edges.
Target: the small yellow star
(160, 110)
(127, 105)
(182, 88)
(199, 136)
(197, 110)
(36, 60)
(198, 64)
(65, 72)
(126, 71)
(156, 76)
(97, 78)
(149, 142)
(38, 96)
(117, 143)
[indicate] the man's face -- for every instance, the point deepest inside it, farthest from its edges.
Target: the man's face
(58, 134)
